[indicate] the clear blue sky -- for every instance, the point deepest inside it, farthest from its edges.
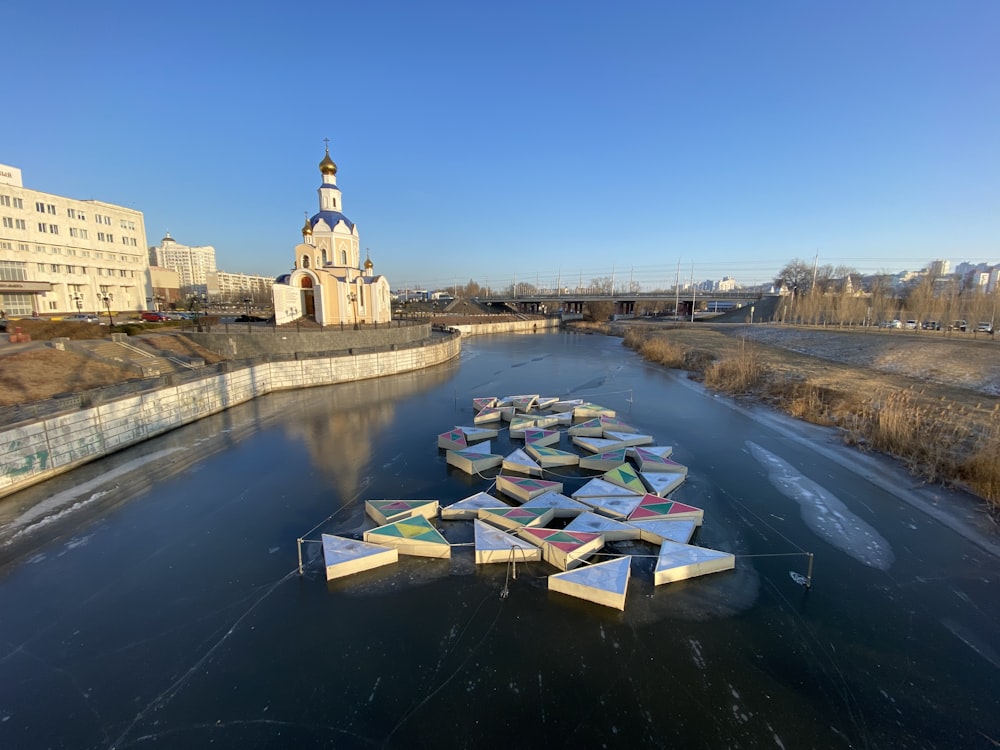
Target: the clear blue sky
(480, 140)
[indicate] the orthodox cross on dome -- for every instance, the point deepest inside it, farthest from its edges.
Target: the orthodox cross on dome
(327, 142)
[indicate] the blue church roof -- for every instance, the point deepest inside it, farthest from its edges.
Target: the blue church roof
(332, 218)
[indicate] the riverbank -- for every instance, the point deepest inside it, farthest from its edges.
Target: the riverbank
(926, 399)
(34, 450)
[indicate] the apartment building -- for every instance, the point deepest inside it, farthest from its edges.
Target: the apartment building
(193, 263)
(62, 255)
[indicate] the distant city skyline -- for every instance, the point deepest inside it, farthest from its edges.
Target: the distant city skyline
(480, 142)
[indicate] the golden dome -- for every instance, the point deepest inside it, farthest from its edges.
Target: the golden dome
(368, 263)
(327, 166)
(307, 227)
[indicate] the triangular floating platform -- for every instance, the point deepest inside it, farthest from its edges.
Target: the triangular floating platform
(567, 405)
(516, 518)
(648, 461)
(598, 487)
(603, 583)
(603, 461)
(485, 402)
(653, 506)
(496, 546)
(519, 424)
(678, 562)
(475, 434)
(523, 489)
(610, 529)
(524, 403)
(628, 439)
(563, 549)
(625, 476)
(663, 451)
(613, 423)
(387, 511)
(522, 463)
(597, 445)
(590, 428)
(615, 507)
(474, 459)
(550, 420)
(662, 483)
(545, 402)
(412, 536)
(486, 416)
(591, 411)
(344, 557)
(564, 507)
(660, 530)
(453, 440)
(469, 507)
(540, 436)
(548, 457)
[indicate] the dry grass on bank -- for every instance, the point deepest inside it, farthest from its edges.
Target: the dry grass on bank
(42, 373)
(938, 439)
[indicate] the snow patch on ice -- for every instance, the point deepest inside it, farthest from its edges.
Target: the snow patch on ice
(825, 514)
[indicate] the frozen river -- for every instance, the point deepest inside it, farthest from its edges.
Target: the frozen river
(153, 598)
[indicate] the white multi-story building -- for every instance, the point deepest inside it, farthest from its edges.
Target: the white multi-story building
(61, 255)
(233, 288)
(192, 263)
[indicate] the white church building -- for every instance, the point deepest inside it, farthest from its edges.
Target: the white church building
(328, 282)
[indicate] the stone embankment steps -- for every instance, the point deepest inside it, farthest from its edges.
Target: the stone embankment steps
(145, 361)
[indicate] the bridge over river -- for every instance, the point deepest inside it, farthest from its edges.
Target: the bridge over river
(625, 303)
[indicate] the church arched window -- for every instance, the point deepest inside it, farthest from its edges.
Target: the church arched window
(305, 261)
(343, 257)
(324, 256)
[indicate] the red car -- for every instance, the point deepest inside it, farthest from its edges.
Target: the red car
(153, 317)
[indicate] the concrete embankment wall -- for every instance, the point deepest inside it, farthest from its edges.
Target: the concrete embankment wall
(33, 451)
(517, 326)
(236, 342)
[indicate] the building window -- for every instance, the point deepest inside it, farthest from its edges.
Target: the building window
(81, 215)
(12, 270)
(23, 247)
(6, 246)
(43, 227)
(54, 267)
(49, 208)
(111, 238)
(19, 223)
(5, 200)
(84, 234)
(18, 203)
(74, 232)
(40, 207)
(54, 228)
(8, 222)
(71, 213)
(41, 267)
(100, 236)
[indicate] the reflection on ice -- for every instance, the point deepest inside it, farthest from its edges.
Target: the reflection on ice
(825, 514)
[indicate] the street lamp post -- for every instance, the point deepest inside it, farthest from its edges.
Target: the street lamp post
(353, 297)
(246, 303)
(107, 298)
(78, 299)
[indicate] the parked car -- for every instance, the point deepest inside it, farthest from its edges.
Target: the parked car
(911, 324)
(153, 317)
(82, 318)
(957, 325)
(984, 327)
(931, 325)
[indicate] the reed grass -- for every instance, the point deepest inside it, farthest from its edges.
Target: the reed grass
(936, 440)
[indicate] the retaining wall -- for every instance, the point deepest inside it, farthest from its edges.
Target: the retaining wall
(237, 342)
(515, 326)
(33, 451)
